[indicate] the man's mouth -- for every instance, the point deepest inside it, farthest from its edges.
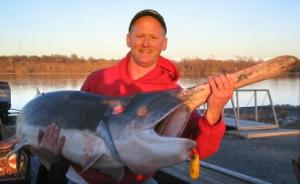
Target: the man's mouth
(146, 51)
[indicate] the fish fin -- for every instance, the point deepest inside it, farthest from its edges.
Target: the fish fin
(90, 162)
(103, 132)
(73, 175)
(38, 93)
(118, 173)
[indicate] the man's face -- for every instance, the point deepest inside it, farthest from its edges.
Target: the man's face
(146, 40)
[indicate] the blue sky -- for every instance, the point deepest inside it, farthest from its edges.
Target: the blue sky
(204, 29)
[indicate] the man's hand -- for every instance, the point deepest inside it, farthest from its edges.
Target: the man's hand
(50, 144)
(221, 87)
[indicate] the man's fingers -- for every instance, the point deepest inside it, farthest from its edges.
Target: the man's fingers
(221, 85)
(51, 133)
(55, 135)
(230, 80)
(216, 84)
(40, 136)
(60, 144)
(46, 136)
(229, 84)
(212, 84)
(50, 138)
(224, 82)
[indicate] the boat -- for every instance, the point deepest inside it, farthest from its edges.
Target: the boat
(14, 168)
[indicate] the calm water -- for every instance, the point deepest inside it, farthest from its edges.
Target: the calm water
(285, 90)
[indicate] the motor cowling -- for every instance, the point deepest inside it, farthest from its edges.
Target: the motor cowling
(5, 101)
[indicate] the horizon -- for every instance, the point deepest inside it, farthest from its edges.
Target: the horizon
(258, 29)
(235, 58)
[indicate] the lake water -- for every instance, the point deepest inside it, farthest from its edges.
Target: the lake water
(284, 90)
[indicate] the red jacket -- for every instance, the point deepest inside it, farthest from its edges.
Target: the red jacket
(117, 81)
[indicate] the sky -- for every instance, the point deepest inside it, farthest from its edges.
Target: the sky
(196, 28)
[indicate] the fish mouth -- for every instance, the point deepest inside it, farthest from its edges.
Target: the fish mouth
(174, 122)
(155, 135)
(161, 143)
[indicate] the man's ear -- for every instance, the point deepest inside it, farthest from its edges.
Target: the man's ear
(165, 44)
(128, 41)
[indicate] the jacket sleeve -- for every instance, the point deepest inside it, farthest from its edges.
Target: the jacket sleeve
(85, 86)
(208, 137)
(89, 84)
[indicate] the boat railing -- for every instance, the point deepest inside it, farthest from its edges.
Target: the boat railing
(235, 103)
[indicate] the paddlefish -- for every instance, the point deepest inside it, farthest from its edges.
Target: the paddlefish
(141, 132)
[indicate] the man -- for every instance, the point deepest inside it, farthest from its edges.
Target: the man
(144, 70)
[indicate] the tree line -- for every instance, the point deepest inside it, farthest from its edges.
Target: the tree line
(193, 67)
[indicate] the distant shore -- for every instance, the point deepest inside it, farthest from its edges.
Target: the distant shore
(195, 67)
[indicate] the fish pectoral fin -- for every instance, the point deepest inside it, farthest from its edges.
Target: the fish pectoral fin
(117, 173)
(90, 162)
(73, 175)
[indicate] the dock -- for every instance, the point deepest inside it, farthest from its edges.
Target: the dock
(209, 174)
(255, 129)
(250, 129)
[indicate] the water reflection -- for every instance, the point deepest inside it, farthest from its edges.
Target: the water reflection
(24, 87)
(285, 90)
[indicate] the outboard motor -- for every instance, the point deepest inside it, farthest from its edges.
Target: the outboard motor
(14, 168)
(5, 101)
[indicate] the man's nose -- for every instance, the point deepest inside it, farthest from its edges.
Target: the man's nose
(146, 41)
